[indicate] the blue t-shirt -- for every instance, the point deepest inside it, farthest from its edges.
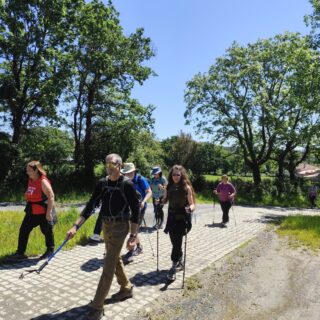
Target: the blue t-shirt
(154, 184)
(141, 185)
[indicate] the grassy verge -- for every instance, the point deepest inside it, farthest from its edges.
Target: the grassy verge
(303, 230)
(10, 222)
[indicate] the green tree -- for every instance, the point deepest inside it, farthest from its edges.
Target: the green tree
(251, 95)
(180, 149)
(146, 153)
(34, 37)
(51, 146)
(107, 64)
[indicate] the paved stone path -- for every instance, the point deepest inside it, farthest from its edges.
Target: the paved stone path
(67, 284)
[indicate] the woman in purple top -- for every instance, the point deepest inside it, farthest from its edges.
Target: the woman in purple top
(226, 193)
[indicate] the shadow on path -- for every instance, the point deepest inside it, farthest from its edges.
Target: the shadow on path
(92, 265)
(5, 263)
(74, 313)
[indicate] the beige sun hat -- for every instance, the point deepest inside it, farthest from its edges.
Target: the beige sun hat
(128, 167)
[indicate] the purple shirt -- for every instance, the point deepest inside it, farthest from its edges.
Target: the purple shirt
(224, 191)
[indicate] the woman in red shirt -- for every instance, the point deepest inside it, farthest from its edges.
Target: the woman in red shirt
(40, 201)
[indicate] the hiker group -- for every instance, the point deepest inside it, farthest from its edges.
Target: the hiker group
(122, 197)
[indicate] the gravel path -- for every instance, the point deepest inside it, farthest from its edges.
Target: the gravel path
(265, 279)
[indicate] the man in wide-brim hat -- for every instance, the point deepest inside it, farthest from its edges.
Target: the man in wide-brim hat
(144, 192)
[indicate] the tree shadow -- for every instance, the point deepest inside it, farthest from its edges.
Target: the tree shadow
(8, 264)
(214, 225)
(152, 278)
(147, 229)
(268, 219)
(78, 313)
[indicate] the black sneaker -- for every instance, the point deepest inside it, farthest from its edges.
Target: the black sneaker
(172, 274)
(46, 255)
(17, 257)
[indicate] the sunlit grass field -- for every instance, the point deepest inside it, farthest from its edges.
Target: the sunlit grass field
(303, 230)
(10, 222)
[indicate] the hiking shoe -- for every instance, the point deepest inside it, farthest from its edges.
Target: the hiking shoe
(17, 257)
(137, 251)
(172, 274)
(128, 257)
(95, 314)
(46, 255)
(179, 266)
(123, 294)
(95, 238)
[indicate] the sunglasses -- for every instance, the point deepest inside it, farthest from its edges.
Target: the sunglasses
(176, 175)
(111, 165)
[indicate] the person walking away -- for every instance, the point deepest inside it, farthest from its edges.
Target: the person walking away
(39, 211)
(226, 192)
(181, 199)
(144, 194)
(118, 197)
(158, 185)
(312, 193)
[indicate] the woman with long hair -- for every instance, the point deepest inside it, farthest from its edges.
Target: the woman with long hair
(181, 199)
(40, 205)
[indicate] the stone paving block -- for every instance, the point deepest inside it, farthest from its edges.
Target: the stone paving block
(207, 242)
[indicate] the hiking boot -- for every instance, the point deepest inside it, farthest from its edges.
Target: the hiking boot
(172, 274)
(46, 255)
(123, 294)
(95, 314)
(17, 257)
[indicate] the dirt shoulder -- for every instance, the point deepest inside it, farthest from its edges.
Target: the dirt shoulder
(264, 279)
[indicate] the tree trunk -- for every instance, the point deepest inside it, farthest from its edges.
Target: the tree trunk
(88, 157)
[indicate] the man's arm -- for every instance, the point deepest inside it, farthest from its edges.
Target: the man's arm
(87, 211)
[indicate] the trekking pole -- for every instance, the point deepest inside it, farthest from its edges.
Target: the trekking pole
(148, 233)
(234, 216)
(22, 275)
(184, 258)
(157, 226)
(214, 206)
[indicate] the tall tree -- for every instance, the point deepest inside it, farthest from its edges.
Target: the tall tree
(107, 64)
(34, 37)
(180, 149)
(251, 94)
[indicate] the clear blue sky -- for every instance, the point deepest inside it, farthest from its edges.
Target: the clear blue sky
(188, 35)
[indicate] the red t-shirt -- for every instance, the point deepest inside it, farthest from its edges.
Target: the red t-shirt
(34, 193)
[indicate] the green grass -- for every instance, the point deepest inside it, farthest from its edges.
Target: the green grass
(10, 222)
(210, 177)
(304, 229)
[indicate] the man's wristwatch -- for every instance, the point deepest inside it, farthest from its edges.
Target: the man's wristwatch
(77, 226)
(132, 236)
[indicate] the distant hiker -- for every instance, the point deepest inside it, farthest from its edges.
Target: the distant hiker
(226, 192)
(312, 193)
(144, 193)
(181, 198)
(158, 185)
(118, 197)
(39, 210)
